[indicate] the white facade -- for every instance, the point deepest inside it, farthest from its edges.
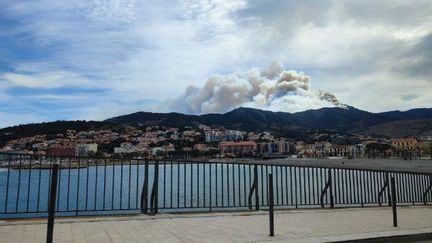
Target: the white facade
(130, 148)
(84, 149)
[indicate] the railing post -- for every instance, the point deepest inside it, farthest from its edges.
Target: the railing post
(253, 189)
(383, 189)
(427, 190)
(256, 187)
(328, 186)
(393, 192)
(144, 191)
(388, 190)
(154, 205)
(270, 200)
(52, 199)
(331, 189)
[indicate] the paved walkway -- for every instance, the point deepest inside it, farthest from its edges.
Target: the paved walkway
(310, 225)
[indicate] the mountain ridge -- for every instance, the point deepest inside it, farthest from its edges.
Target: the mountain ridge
(391, 124)
(350, 120)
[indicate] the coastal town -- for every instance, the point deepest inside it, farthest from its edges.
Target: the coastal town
(215, 142)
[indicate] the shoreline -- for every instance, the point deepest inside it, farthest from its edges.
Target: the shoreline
(384, 164)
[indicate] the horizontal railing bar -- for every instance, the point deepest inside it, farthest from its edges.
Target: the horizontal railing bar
(192, 161)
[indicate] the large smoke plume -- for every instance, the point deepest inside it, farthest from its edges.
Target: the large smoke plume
(273, 89)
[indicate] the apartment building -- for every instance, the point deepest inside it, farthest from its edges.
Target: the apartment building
(404, 143)
(276, 147)
(84, 149)
(243, 148)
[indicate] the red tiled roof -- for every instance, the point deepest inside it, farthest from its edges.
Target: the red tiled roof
(239, 143)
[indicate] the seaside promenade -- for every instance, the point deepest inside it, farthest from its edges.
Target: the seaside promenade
(305, 225)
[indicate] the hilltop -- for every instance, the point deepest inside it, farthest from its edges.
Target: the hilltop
(390, 124)
(415, 122)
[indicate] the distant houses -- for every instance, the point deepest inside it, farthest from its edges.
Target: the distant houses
(71, 150)
(238, 149)
(222, 135)
(275, 147)
(207, 141)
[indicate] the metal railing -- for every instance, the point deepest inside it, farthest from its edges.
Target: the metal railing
(105, 186)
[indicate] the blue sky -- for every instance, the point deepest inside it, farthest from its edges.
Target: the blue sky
(94, 59)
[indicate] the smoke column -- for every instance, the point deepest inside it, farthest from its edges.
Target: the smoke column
(274, 89)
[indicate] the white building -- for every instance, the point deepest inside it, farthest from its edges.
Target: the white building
(217, 135)
(84, 149)
(130, 148)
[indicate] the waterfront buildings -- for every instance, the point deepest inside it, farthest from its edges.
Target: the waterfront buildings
(238, 149)
(275, 147)
(61, 150)
(159, 141)
(70, 149)
(126, 148)
(85, 149)
(404, 143)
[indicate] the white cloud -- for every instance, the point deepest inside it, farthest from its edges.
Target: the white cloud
(151, 50)
(43, 80)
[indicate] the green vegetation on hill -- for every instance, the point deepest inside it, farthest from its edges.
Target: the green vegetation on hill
(48, 128)
(298, 125)
(295, 125)
(403, 128)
